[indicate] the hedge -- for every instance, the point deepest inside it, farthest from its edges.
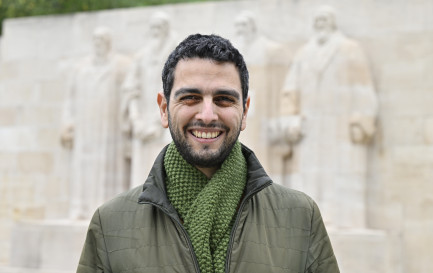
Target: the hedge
(21, 8)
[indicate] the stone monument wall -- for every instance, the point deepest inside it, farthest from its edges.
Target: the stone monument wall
(38, 53)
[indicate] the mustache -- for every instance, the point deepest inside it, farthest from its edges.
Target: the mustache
(212, 125)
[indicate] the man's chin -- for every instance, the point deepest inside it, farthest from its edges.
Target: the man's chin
(207, 160)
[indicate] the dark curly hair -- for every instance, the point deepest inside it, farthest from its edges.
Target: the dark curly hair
(211, 47)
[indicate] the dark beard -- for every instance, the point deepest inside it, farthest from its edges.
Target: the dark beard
(203, 161)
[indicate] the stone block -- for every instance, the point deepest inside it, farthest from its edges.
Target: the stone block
(419, 208)
(35, 162)
(8, 269)
(48, 138)
(409, 156)
(372, 251)
(29, 212)
(403, 102)
(53, 91)
(8, 71)
(43, 244)
(17, 139)
(8, 115)
(8, 162)
(406, 130)
(428, 131)
(16, 93)
(41, 115)
(418, 239)
(26, 38)
(4, 255)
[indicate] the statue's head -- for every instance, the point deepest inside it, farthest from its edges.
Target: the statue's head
(101, 41)
(245, 24)
(324, 24)
(159, 26)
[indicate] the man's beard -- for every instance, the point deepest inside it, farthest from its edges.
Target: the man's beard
(206, 159)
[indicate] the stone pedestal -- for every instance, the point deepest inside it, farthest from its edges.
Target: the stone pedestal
(367, 250)
(53, 246)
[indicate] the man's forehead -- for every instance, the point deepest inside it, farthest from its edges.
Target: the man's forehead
(189, 73)
(192, 67)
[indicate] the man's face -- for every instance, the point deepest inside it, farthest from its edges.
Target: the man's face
(205, 114)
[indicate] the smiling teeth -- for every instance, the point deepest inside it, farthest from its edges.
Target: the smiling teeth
(205, 135)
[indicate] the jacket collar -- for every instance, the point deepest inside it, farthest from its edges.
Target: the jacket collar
(154, 190)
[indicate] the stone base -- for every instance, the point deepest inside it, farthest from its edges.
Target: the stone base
(4, 269)
(366, 250)
(50, 246)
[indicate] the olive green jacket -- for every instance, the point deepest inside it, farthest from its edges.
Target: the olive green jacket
(276, 230)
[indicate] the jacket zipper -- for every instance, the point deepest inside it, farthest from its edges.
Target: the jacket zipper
(236, 223)
(194, 258)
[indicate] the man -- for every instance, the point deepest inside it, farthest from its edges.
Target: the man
(330, 94)
(207, 205)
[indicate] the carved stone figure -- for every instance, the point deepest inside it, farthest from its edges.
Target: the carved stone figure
(328, 110)
(141, 86)
(267, 62)
(93, 129)
(256, 48)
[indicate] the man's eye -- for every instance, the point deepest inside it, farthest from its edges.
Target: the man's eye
(223, 100)
(190, 99)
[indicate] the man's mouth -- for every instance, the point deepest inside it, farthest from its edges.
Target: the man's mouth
(206, 135)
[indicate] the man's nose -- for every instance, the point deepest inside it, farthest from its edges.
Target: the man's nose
(207, 112)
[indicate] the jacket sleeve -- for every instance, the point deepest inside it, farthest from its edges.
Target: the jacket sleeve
(94, 258)
(321, 258)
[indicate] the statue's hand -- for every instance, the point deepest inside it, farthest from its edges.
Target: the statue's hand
(285, 130)
(145, 132)
(67, 137)
(357, 134)
(293, 133)
(274, 132)
(292, 129)
(151, 132)
(361, 128)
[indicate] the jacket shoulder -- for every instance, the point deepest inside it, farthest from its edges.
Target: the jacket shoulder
(288, 197)
(285, 207)
(122, 202)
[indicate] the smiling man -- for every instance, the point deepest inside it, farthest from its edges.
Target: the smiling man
(207, 204)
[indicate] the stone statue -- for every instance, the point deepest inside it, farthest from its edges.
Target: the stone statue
(267, 63)
(255, 48)
(93, 129)
(328, 110)
(141, 113)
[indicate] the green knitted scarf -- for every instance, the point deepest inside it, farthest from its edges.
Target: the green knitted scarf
(207, 206)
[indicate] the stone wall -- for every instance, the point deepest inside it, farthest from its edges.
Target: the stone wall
(37, 54)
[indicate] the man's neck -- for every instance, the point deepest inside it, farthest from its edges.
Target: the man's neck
(209, 172)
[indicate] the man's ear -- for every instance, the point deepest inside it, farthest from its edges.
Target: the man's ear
(244, 116)
(163, 110)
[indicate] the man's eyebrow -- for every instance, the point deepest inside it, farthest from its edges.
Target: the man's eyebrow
(232, 93)
(222, 92)
(183, 91)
